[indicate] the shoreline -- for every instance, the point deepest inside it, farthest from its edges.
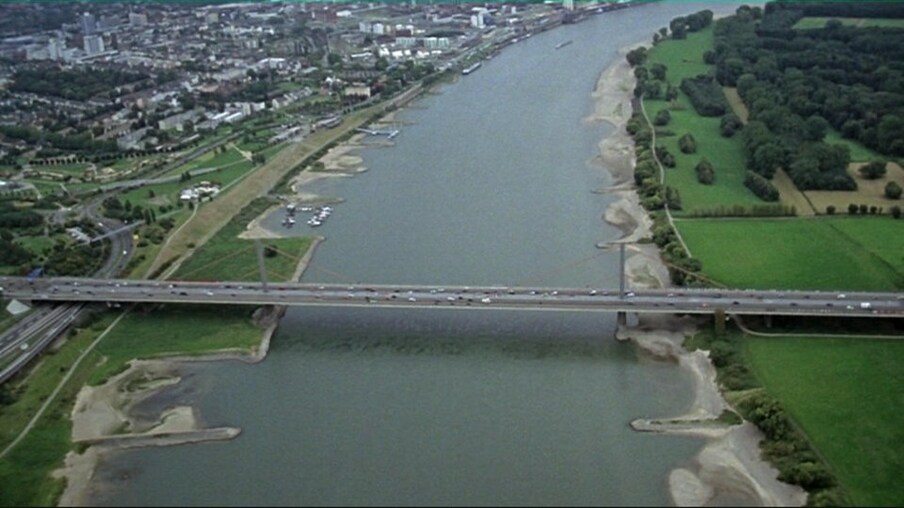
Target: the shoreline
(729, 464)
(102, 417)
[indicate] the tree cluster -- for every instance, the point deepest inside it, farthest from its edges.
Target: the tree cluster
(705, 95)
(800, 83)
(73, 84)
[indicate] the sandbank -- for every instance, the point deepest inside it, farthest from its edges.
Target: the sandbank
(729, 467)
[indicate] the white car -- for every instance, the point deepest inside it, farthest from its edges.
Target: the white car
(485, 300)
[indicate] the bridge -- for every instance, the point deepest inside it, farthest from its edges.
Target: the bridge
(666, 301)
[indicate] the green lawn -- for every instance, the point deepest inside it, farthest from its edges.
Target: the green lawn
(799, 254)
(685, 59)
(228, 257)
(847, 395)
(176, 329)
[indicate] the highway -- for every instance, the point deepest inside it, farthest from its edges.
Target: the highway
(671, 301)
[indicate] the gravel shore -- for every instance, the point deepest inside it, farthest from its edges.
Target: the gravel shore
(728, 470)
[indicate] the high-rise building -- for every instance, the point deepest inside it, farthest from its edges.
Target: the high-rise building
(55, 49)
(88, 23)
(94, 44)
(568, 4)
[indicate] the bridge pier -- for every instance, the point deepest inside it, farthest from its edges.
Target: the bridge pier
(260, 262)
(768, 320)
(621, 319)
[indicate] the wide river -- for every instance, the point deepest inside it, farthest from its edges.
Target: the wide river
(489, 182)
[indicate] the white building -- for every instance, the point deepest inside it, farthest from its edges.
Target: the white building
(55, 49)
(94, 44)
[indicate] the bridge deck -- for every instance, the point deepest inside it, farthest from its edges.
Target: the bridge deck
(671, 301)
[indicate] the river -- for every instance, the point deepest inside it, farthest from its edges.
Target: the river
(489, 182)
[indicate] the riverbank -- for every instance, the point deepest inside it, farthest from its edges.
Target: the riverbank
(105, 420)
(728, 469)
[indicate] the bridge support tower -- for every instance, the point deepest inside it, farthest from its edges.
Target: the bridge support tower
(260, 262)
(621, 319)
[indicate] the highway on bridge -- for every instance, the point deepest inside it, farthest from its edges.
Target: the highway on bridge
(672, 301)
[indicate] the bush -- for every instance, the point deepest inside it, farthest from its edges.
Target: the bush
(893, 190)
(896, 212)
(852, 209)
(830, 209)
(809, 475)
(687, 143)
(705, 173)
(729, 125)
(761, 187)
(873, 170)
(662, 117)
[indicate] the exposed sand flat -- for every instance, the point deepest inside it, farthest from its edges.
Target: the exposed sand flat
(728, 469)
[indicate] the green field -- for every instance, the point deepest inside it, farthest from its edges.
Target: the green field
(177, 329)
(847, 395)
(800, 254)
(685, 59)
(227, 257)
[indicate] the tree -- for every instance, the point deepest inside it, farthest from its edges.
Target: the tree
(658, 71)
(705, 172)
(816, 128)
(662, 117)
(852, 209)
(830, 209)
(637, 56)
(896, 212)
(893, 190)
(873, 170)
(687, 143)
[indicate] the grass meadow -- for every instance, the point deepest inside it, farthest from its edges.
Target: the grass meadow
(819, 254)
(846, 395)
(685, 59)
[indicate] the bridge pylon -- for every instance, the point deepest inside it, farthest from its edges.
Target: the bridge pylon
(260, 262)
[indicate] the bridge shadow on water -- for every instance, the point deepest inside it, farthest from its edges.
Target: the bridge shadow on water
(515, 334)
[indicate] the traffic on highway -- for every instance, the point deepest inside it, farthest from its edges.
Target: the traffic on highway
(685, 300)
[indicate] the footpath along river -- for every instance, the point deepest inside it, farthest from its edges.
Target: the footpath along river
(491, 181)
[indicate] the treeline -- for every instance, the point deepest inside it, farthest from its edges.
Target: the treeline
(765, 210)
(785, 446)
(799, 83)
(11, 217)
(655, 197)
(77, 85)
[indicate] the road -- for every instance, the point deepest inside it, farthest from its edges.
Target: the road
(670, 301)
